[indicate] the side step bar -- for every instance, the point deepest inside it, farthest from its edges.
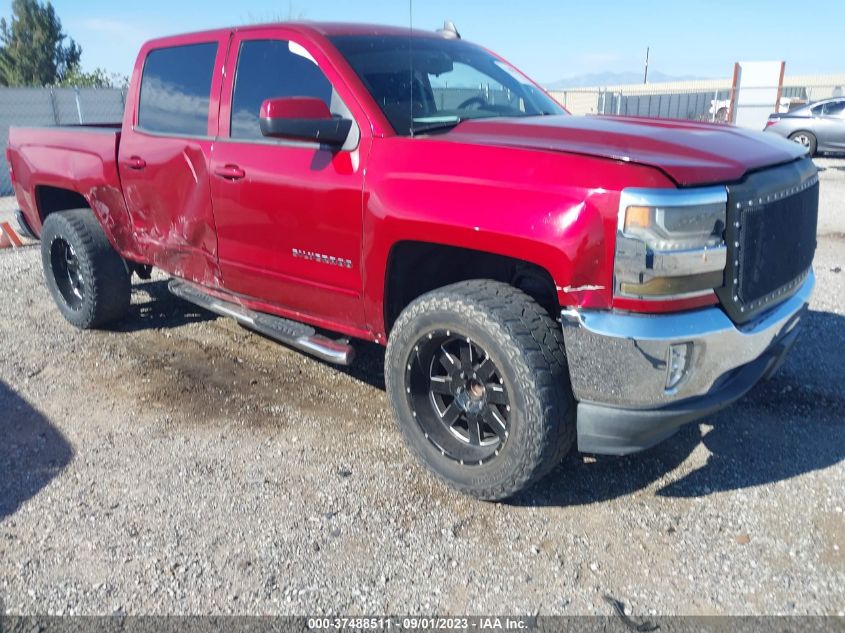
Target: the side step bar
(298, 335)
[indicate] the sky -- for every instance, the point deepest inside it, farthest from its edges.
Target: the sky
(547, 39)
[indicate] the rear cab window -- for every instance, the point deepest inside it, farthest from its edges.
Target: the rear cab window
(176, 89)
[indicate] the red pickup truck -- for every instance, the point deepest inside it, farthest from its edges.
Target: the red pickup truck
(539, 279)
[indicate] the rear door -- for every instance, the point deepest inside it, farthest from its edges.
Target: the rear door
(165, 151)
(289, 213)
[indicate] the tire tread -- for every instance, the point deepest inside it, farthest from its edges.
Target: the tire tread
(540, 342)
(109, 289)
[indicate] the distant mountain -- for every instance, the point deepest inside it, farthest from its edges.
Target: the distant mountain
(613, 79)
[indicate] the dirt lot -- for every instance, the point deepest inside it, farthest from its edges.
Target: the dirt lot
(181, 464)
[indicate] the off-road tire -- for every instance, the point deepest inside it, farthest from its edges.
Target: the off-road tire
(811, 143)
(527, 345)
(106, 287)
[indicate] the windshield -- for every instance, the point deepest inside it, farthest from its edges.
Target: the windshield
(426, 84)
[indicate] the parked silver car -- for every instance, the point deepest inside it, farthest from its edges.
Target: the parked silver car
(819, 126)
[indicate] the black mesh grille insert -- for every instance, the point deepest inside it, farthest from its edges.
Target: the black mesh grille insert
(778, 240)
(771, 237)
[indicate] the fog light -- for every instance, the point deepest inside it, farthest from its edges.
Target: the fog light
(677, 363)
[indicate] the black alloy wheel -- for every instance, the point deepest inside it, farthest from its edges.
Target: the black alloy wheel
(66, 272)
(458, 397)
(477, 378)
(88, 279)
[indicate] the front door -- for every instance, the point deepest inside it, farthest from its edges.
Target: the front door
(288, 214)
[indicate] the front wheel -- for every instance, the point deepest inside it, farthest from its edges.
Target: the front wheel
(477, 378)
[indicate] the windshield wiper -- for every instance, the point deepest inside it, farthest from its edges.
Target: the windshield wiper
(433, 124)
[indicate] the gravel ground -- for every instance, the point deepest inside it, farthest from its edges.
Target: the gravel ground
(181, 464)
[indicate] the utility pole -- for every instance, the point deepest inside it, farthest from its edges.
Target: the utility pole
(645, 76)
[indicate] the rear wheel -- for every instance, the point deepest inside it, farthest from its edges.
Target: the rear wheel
(807, 139)
(477, 378)
(89, 281)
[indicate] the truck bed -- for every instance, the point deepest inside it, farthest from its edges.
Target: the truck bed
(77, 158)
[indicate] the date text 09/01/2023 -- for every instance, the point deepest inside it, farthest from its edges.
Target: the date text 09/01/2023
(419, 623)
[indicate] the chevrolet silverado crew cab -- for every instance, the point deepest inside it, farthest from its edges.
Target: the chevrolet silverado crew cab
(541, 281)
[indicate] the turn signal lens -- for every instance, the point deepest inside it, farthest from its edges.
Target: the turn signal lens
(637, 218)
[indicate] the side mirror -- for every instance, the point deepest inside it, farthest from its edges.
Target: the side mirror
(302, 119)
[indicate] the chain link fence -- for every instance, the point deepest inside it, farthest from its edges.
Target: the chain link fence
(54, 106)
(695, 104)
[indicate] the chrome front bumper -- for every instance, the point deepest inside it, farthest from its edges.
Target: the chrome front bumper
(619, 366)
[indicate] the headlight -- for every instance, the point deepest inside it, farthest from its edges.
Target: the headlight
(670, 242)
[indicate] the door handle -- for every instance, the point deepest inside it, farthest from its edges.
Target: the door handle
(230, 172)
(135, 162)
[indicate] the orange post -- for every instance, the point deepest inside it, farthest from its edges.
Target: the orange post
(8, 237)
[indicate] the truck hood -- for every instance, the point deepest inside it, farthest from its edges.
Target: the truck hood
(689, 153)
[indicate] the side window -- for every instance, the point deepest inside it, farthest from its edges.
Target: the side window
(176, 89)
(834, 108)
(817, 111)
(275, 68)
